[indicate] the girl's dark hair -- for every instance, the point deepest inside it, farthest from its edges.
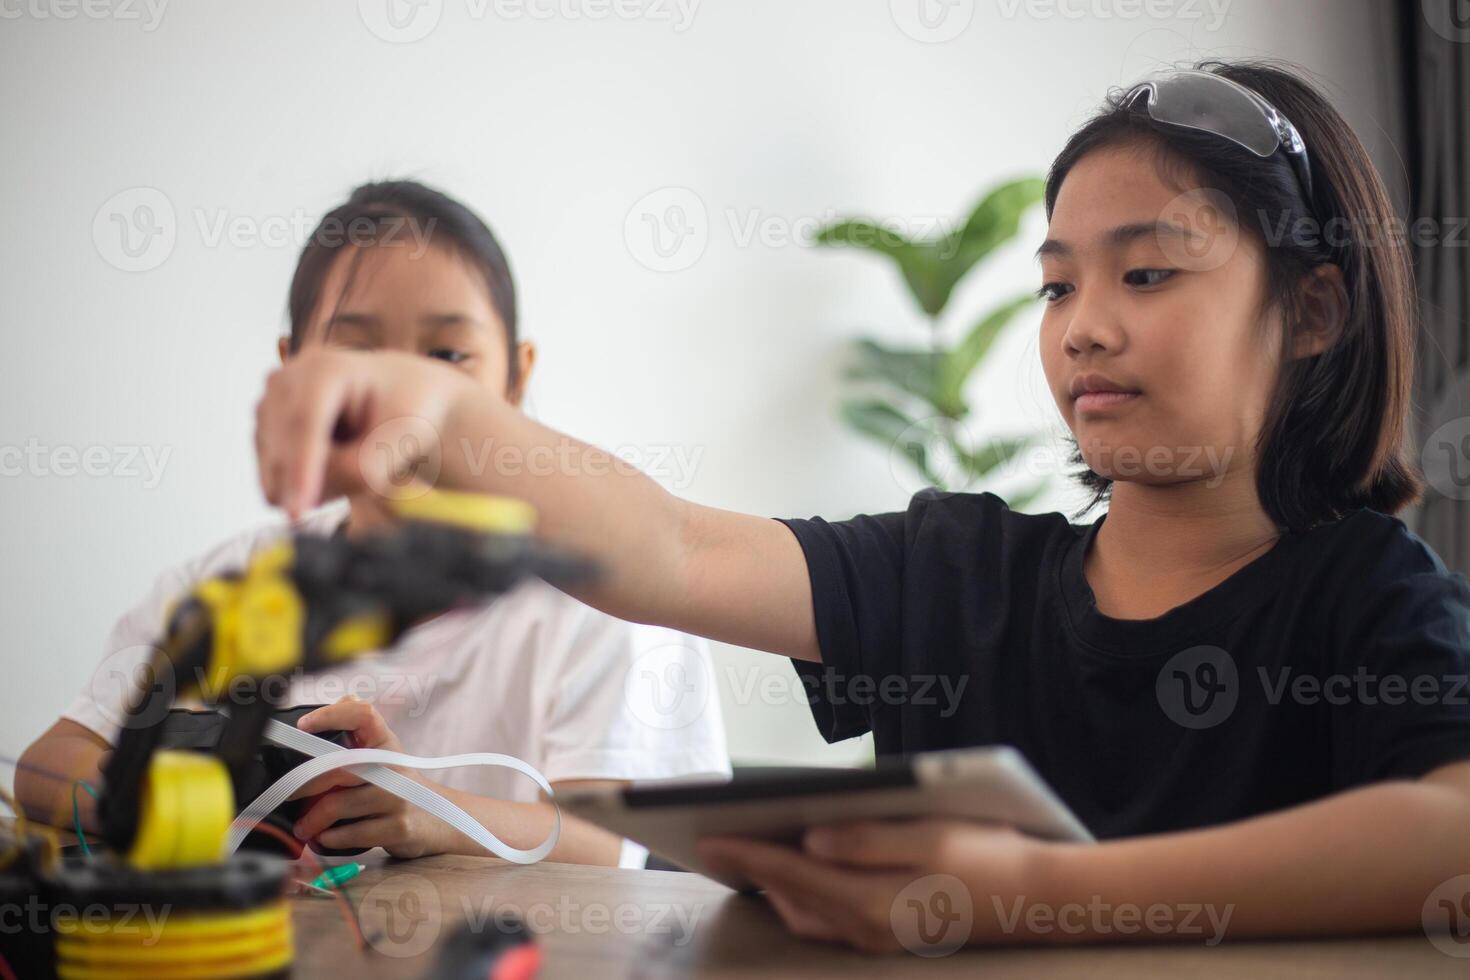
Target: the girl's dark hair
(401, 213)
(1335, 434)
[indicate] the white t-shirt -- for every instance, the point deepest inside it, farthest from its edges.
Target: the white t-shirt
(535, 674)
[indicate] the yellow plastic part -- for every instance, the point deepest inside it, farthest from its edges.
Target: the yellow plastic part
(222, 598)
(268, 632)
(185, 812)
(256, 620)
(274, 559)
(180, 945)
(358, 635)
(481, 512)
(271, 615)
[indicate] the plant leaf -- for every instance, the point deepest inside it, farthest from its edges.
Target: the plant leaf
(955, 370)
(995, 453)
(860, 233)
(932, 268)
(917, 261)
(911, 371)
(1018, 501)
(997, 217)
(994, 221)
(886, 424)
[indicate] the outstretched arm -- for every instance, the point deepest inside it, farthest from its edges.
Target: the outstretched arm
(322, 427)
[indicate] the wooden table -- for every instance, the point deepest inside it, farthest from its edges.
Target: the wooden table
(608, 922)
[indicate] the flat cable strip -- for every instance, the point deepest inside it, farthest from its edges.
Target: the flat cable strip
(371, 765)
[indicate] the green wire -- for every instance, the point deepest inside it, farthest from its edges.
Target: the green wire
(76, 812)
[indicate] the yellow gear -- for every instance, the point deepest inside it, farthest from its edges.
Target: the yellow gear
(271, 615)
(185, 812)
(193, 945)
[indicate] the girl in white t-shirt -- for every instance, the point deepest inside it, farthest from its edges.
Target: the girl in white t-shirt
(535, 674)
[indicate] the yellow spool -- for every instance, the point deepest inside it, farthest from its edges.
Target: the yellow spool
(185, 946)
(481, 512)
(184, 813)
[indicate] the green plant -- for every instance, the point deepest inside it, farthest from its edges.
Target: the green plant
(913, 399)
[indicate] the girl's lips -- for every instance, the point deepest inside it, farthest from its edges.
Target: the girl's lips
(1097, 401)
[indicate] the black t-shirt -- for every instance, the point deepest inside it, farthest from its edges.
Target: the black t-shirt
(1338, 658)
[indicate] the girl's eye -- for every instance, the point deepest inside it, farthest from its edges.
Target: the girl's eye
(449, 354)
(1147, 277)
(1052, 291)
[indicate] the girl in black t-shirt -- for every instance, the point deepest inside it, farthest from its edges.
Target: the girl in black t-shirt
(1229, 337)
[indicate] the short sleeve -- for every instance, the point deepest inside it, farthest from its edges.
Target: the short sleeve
(856, 569)
(626, 701)
(1398, 695)
(102, 705)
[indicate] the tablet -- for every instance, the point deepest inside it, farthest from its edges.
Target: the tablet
(989, 785)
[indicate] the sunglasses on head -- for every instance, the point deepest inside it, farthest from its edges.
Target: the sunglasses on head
(1211, 103)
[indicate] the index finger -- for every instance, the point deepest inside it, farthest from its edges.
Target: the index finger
(326, 781)
(774, 864)
(297, 419)
(874, 843)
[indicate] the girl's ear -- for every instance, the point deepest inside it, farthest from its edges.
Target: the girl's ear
(525, 360)
(283, 347)
(1323, 304)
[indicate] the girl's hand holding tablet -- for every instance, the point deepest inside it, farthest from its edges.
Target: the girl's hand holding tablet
(845, 884)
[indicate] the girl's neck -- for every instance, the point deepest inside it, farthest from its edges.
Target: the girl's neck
(1163, 545)
(367, 514)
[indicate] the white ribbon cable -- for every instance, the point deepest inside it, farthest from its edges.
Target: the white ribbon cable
(371, 765)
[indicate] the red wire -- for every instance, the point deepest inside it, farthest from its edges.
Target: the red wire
(303, 851)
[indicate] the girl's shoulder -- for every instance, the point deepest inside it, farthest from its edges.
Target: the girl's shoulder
(1370, 571)
(1374, 546)
(963, 520)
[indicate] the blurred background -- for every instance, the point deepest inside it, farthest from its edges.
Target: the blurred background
(658, 170)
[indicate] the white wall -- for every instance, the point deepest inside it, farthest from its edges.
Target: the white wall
(782, 112)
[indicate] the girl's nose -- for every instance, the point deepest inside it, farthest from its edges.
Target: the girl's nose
(1093, 327)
